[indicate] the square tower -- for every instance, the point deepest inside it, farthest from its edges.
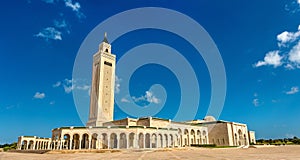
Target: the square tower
(103, 83)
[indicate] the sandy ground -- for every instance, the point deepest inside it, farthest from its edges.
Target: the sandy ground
(261, 153)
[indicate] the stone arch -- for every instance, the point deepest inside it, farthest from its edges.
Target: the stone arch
(186, 137)
(235, 139)
(141, 140)
(166, 141)
(66, 144)
(104, 141)
(85, 141)
(113, 141)
(171, 140)
(131, 140)
(123, 140)
(159, 141)
(245, 140)
(94, 141)
(76, 142)
(193, 137)
(199, 137)
(204, 137)
(180, 137)
(147, 140)
(24, 144)
(31, 144)
(240, 134)
(154, 140)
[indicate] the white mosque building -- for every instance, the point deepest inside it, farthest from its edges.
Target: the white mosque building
(103, 132)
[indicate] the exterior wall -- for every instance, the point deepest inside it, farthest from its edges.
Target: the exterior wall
(155, 122)
(218, 134)
(252, 139)
(144, 122)
(240, 134)
(224, 133)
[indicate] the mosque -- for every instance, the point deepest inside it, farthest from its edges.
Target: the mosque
(103, 132)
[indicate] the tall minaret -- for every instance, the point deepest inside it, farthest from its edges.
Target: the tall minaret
(103, 82)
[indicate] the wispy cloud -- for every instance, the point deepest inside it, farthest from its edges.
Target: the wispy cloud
(61, 24)
(49, 1)
(75, 7)
(49, 33)
(52, 103)
(39, 95)
(148, 97)
(293, 90)
(125, 100)
(256, 102)
(70, 84)
(57, 84)
(117, 84)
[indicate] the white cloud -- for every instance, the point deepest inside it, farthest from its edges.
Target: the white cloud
(57, 84)
(294, 54)
(117, 84)
(148, 97)
(39, 95)
(256, 102)
(288, 37)
(49, 33)
(272, 58)
(298, 1)
(52, 103)
(293, 90)
(125, 100)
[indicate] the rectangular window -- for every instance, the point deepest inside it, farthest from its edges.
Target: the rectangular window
(107, 63)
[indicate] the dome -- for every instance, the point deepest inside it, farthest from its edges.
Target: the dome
(209, 118)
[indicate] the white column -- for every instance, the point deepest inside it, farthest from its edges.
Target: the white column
(80, 139)
(150, 140)
(127, 142)
(136, 142)
(99, 140)
(118, 141)
(156, 145)
(108, 141)
(90, 141)
(33, 145)
(71, 142)
(144, 138)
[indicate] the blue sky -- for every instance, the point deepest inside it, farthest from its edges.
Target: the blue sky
(259, 42)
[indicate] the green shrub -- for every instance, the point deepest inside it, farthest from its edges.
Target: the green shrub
(204, 145)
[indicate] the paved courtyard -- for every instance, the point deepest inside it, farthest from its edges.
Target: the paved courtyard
(261, 153)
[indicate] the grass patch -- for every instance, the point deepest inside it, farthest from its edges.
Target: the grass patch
(211, 146)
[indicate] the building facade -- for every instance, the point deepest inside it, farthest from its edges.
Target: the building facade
(102, 132)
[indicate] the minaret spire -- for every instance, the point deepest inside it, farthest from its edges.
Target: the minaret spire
(105, 38)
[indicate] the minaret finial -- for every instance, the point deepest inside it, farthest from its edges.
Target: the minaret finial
(105, 38)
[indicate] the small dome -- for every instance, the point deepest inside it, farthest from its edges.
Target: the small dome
(209, 118)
